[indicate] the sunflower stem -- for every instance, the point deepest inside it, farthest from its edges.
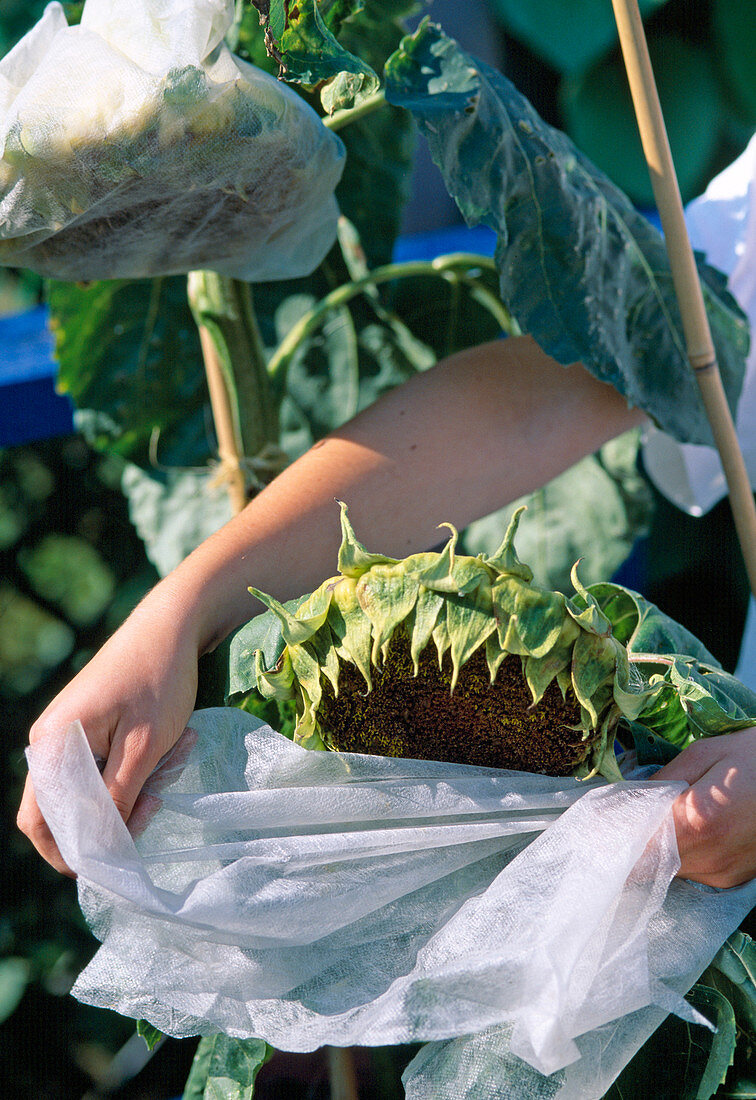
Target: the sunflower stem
(244, 408)
(339, 119)
(455, 265)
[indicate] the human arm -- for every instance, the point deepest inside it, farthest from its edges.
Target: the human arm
(475, 432)
(452, 444)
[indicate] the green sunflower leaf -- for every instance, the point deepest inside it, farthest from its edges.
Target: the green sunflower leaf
(129, 357)
(298, 37)
(150, 1034)
(733, 972)
(582, 272)
(649, 747)
(15, 974)
(699, 701)
(682, 1060)
(335, 12)
(262, 633)
(226, 1068)
(643, 627)
(714, 701)
(715, 1006)
(569, 34)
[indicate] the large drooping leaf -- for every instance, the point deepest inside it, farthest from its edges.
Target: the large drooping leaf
(226, 1068)
(714, 701)
(580, 269)
(700, 698)
(697, 700)
(174, 511)
(593, 512)
(129, 356)
(298, 37)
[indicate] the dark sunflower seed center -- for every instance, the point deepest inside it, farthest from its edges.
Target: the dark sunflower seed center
(480, 723)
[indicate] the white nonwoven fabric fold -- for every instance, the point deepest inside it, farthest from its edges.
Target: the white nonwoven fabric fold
(136, 144)
(312, 898)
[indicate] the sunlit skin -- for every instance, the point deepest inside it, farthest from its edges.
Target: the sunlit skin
(715, 819)
(479, 430)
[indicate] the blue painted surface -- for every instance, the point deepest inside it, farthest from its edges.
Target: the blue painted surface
(30, 409)
(438, 242)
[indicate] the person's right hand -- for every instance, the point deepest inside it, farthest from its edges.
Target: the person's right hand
(133, 699)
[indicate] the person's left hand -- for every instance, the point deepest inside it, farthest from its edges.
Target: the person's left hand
(715, 819)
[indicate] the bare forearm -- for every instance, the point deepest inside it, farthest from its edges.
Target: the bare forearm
(452, 444)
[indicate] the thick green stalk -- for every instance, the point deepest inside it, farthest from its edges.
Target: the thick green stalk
(340, 119)
(224, 307)
(244, 407)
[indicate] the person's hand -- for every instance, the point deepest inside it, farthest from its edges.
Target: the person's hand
(715, 819)
(133, 699)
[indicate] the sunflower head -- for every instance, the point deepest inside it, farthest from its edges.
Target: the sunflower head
(450, 657)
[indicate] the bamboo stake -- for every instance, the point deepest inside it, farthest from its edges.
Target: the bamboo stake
(700, 347)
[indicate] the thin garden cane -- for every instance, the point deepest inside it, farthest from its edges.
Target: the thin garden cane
(700, 348)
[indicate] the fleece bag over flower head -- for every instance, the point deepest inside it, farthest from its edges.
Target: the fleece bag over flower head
(136, 144)
(309, 897)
